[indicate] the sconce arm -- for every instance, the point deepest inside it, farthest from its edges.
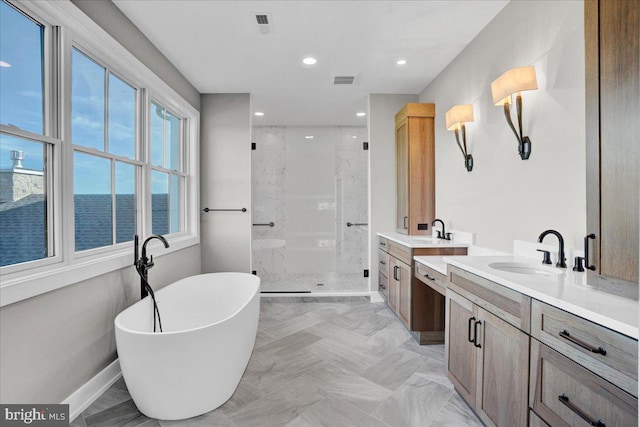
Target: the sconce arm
(507, 115)
(464, 150)
(519, 109)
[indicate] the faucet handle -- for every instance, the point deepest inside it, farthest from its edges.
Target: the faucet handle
(439, 234)
(447, 236)
(578, 264)
(546, 257)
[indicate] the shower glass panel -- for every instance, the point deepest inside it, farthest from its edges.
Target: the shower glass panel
(305, 191)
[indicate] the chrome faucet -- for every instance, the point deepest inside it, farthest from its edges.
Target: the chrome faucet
(441, 235)
(561, 258)
(144, 264)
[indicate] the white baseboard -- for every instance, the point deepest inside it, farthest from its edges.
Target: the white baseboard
(83, 397)
(375, 296)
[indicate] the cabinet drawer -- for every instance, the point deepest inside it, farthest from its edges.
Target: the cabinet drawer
(507, 304)
(576, 337)
(383, 285)
(403, 253)
(564, 393)
(383, 244)
(431, 278)
(383, 263)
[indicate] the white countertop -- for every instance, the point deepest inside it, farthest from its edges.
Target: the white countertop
(433, 261)
(422, 241)
(567, 291)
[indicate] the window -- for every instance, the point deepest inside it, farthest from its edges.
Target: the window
(167, 178)
(94, 148)
(103, 131)
(26, 222)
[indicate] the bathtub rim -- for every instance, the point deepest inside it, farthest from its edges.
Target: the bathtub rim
(118, 325)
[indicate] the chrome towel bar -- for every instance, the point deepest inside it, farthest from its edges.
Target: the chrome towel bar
(271, 224)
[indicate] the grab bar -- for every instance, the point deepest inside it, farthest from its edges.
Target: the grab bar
(224, 210)
(271, 224)
(349, 224)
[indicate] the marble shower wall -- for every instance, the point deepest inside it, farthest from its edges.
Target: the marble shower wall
(310, 189)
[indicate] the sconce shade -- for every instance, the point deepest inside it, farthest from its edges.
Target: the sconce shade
(459, 114)
(513, 81)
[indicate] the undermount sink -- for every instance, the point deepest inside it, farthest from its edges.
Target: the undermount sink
(525, 268)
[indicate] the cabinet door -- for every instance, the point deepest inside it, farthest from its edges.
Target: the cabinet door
(461, 353)
(404, 293)
(394, 284)
(612, 51)
(402, 178)
(503, 372)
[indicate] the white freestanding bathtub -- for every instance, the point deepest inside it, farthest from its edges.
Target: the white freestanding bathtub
(210, 323)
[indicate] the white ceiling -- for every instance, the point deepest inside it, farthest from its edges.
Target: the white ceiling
(217, 46)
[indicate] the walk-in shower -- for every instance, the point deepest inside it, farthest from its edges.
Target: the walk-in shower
(310, 198)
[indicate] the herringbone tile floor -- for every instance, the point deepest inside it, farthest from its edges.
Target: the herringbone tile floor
(322, 362)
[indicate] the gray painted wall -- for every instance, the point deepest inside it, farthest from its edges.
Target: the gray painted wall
(113, 21)
(50, 345)
(225, 182)
(382, 170)
(505, 198)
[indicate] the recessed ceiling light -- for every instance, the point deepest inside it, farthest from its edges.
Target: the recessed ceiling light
(354, 137)
(258, 113)
(309, 60)
(401, 61)
(5, 64)
(361, 114)
(309, 137)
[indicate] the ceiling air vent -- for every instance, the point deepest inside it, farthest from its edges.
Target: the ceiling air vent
(264, 23)
(343, 80)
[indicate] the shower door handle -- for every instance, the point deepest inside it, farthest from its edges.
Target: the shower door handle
(271, 224)
(350, 224)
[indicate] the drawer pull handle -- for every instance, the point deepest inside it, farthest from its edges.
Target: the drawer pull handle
(567, 336)
(383, 263)
(471, 320)
(433, 279)
(382, 286)
(475, 334)
(565, 401)
(395, 272)
(383, 244)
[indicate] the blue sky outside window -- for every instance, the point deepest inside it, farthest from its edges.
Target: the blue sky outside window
(21, 71)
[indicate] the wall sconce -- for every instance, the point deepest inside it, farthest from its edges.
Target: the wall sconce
(515, 81)
(455, 118)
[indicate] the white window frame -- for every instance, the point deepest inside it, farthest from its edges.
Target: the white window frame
(66, 267)
(181, 172)
(50, 137)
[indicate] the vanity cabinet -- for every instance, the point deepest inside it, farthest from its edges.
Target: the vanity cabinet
(518, 361)
(415, 168)
(419, 307)
(612, 53)
(487, 356)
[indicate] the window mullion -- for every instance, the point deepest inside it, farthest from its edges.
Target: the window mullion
(106, 111)
(113, 202)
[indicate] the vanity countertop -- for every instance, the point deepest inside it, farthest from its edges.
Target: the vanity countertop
(422, 241)
(435, 262)
(567, 291)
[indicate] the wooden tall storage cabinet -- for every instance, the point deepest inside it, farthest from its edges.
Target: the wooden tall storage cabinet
(612, 52)
(415, 168)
